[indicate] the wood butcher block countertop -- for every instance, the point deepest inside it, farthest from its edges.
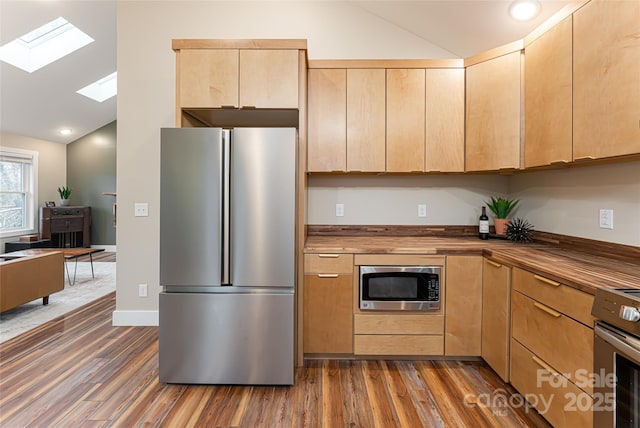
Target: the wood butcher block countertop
(580, 270)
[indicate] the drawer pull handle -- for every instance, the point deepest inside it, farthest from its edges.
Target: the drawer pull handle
(546, 281)
(550, 311)
(327, 275)
(494, 264)
(545, 366)
(584, 158)
(328, 256)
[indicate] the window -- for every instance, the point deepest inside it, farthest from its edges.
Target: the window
(18, 198)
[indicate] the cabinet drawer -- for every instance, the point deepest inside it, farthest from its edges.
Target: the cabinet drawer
(328, 263)
(557, 399)
(398, 324)
(398, 345)
(63, 225)
(564, 343)
(573, 303)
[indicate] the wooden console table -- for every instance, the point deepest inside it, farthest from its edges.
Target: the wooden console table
(67, 227)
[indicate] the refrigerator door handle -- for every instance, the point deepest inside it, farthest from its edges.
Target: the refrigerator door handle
(225, 207)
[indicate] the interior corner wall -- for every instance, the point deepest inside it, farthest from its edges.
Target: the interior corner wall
(52, 167)
(91, 170)
(567, 201)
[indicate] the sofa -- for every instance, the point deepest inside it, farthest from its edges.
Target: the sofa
(31, 277)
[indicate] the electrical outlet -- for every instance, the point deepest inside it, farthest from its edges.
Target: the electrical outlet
(606, 219)
(141, 209)
(422, 210)
(142, 290)
(339, 210)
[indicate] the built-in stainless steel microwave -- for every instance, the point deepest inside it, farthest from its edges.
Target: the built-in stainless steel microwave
(400, 288)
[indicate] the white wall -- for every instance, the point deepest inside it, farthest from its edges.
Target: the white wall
(568, 201)
(146, 100)
(52, 167)
(450, 199)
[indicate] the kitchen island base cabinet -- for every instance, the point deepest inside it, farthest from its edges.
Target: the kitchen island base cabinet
(496, 317)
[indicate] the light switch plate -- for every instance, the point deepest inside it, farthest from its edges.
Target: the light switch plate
(141, 209)
(606, 219)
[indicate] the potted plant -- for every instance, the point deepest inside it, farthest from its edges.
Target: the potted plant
(501, 208)
(64, 192)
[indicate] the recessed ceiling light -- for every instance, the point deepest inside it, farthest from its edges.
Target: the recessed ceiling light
(102, 89)
(524, 10)
(44, 45)
(66, 131)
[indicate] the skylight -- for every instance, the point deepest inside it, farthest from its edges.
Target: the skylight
(102, 89)
(44, 45)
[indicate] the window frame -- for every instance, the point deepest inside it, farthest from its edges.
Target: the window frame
(31, 192)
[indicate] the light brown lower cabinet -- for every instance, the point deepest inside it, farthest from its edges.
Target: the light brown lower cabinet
(328, 304)
(556, 398)
(496, 316)
(463, 329)
(398, 334)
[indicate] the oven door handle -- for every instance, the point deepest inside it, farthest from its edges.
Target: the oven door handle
(621, 342)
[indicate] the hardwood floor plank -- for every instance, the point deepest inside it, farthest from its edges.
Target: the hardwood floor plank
(79, 370)
(383, 413)
(400, 396)
(331, 411)
(355, 400)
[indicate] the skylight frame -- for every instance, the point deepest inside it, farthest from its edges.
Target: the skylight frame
(44, 45)
(101, 89)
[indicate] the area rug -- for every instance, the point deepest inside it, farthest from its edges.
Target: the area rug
(86, 289)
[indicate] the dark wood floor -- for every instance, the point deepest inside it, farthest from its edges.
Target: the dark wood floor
(79, 370)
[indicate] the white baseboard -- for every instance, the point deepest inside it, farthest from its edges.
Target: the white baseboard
(135, 318)
(106, 248)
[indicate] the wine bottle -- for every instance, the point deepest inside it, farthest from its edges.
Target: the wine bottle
(483, 226)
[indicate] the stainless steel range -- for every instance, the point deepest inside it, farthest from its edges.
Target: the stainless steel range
(617, 358)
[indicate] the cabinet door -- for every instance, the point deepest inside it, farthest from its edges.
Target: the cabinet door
(606, 83)
(328, 309)
(405, 120)
(327, 120)
(496, 300)
(547, 97)
(269, 78)
(463, 306)
(493, 114)
(366, 120)
(208, 78)
(445, 120)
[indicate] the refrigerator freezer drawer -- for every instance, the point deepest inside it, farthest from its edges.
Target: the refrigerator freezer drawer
(209, 338)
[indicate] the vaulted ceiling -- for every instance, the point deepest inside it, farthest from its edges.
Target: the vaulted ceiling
(38, 104)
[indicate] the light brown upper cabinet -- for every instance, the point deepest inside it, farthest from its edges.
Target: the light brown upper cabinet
(493, 114)
(231, 73)
(606, 83)
(327, 120)
(547, 97)
(366, 120)
(208, 77)
(405, 120)
(444, 120)
(269, 78)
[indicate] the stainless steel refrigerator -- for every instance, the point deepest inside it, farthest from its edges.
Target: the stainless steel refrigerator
(227, 259)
